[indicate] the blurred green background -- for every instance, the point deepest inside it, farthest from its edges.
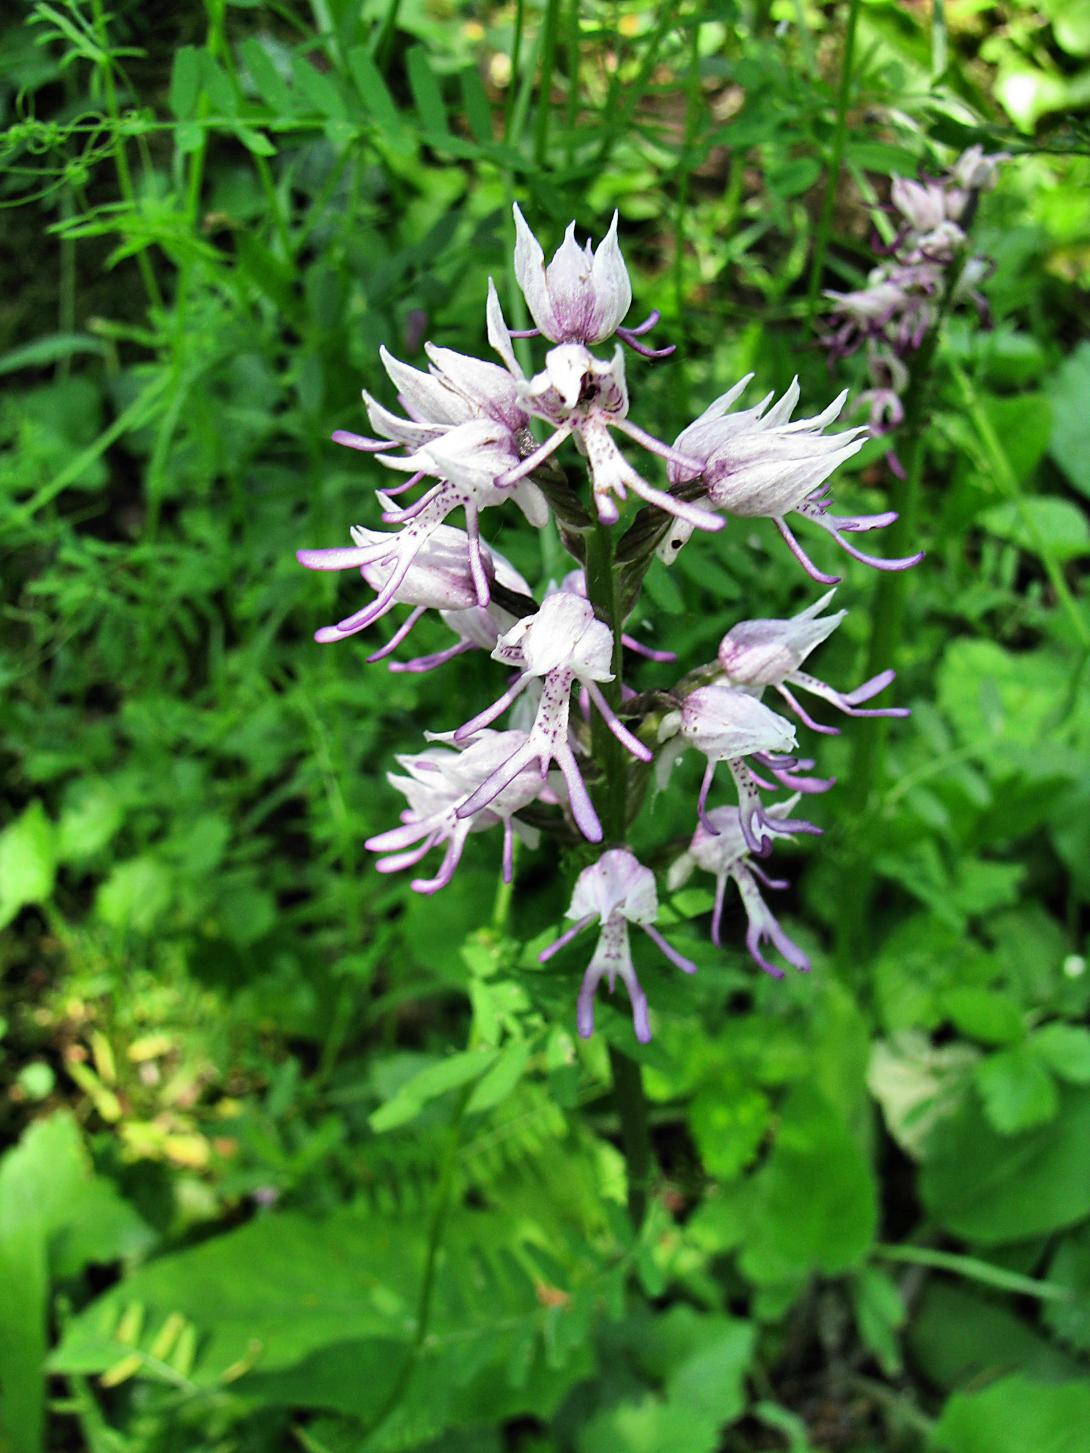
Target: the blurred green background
(300, 1160)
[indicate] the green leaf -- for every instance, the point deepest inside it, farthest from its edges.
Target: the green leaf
(319, 1312)
(1017, 1090)
(728, 1121)
(1070, 25)
(270, 84)
(991, 1188)
(56, 1217)
(879, 1315)
(1068, 390)
(48, 350)
(957, 1335)
(1015, 1415)
(218, 85)
(477, 110)
(375, 93)
(1023, 424)
(319, 89)
(92, 814)
(28, 861)
(813, 1206)
(255, 142)
(1042, 524)
(427, 93)
(984, 1014)
(135, 895)
(185, 83)
(502, 1078)
(437, 1079)
(1070, 1321)
(1065, 1048)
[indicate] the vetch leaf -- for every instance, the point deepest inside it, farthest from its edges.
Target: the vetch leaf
(375, 93)
(437, 1079)
(185, 83)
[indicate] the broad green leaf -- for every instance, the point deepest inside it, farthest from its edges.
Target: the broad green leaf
(28, 861)
(729, 1121)
(135, 895)
(813, 1206)
(1068, 391)
(56, 1217)
(957, 1335)
(1022, 424)
(1015, 1415)
(1070, 1267)
(1017, 1090)
(91, 815)
(984, 1014)
(1070, 25)
(991, 1188)
(319, 1312)
(1043, 525)
(1065, 1048)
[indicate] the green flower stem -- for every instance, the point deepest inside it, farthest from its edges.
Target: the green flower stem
(611, 800)
(836, 159)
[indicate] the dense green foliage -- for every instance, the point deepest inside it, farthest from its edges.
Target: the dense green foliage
(301, 1160)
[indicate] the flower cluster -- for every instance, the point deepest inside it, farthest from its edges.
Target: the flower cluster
(925, 262)
(465, 438)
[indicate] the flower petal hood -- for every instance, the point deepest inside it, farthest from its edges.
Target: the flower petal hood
(583, 295)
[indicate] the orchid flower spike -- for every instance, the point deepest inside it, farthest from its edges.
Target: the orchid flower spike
(436, 781)
(756, 654)
(563, 643)
(616, 890)
(723, 851)
(727, 725)
(757, 462)
(583, 294)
